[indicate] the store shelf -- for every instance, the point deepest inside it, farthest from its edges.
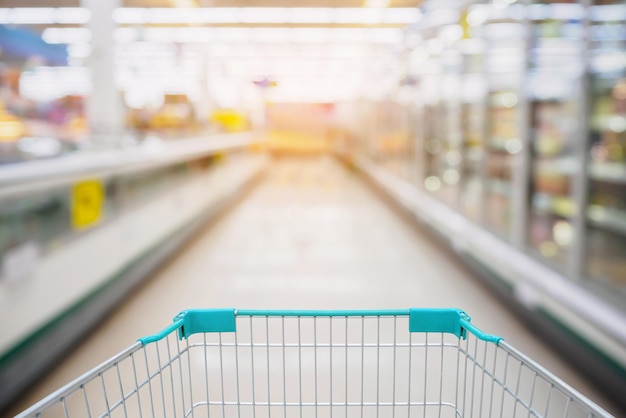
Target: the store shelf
(565, 165)
(608, 218)
(561, 11)
(609, 172)
(607, 13)
(149, 155)
(500, 187)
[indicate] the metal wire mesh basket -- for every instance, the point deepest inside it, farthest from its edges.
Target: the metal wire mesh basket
(236, 363)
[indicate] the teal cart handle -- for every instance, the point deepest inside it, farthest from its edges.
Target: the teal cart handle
(444, 320)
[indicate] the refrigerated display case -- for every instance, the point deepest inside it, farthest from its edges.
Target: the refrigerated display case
(606, 210)
(473, 96)
(431, 109)
(542, 116)
(505, 36)
(450, 156)
(555, 85)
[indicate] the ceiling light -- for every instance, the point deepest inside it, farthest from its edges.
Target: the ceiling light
(276, 15)
(263, 14)
(32, 15)
(377, 3)
(72, 15)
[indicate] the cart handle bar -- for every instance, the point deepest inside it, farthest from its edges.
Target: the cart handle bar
(444, 320)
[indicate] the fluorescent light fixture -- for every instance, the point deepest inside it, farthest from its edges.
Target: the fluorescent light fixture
(72, 15)
(125, 35)
(385, 36)
(442, 17)
(173, 16)
(377, 3)
(607, 12)
(32, 15)
(354, 15)
(79, 50)
(130, 15)
(477, 15)
(66, 35)
(5, 16)
(50, 83)
(396, 15)
(310, 35)
(309, 15)
(349, 35)
(185, 3)
(263, 14)
(220, 14)
(266, 15)
(267, 36)
(233, 34)
(450, 33)
(272, 35)
(44, 15)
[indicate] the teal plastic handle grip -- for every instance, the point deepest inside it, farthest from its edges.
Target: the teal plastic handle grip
(444, 320)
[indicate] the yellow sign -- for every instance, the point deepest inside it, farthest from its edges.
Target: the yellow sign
(87, 203)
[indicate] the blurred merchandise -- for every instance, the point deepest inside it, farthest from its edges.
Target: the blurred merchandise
(230, 120)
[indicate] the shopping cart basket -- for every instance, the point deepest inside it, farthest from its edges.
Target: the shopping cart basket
(250, 363)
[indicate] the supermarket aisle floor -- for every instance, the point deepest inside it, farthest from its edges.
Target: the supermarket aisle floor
(311, 235)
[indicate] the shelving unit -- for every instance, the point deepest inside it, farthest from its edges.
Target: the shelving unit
(541, 114)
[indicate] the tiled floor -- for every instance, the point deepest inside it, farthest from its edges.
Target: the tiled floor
(311, 235)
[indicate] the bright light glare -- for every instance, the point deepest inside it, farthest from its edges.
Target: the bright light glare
(79, 50)
(66, 35)
(130, 15)
(435, 46)
(432, 184)
(377, 3)
(39, 147)
(513, 145)
(508, 99)
(260, 15)
(477, 15)
(451, 176)
(617, 123)
(309, 14)
(45, 15)
(357, 15)
(264, 35)
(450, 33)
(32, 15)
(401, 15)
(72, 15)
(563, 233)
(44, 84)
(263, 15)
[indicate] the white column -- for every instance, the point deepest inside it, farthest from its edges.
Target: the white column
(104, 106)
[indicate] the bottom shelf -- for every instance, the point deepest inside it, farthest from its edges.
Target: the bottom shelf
(606, 258)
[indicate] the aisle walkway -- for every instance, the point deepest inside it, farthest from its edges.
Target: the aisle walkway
(311, 235)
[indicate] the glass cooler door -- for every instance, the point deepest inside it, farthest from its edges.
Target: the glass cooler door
(606, 210)
(556, 69)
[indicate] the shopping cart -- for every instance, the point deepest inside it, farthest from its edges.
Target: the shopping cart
(251, 363)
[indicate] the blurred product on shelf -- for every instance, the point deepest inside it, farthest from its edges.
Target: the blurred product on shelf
(230, 120)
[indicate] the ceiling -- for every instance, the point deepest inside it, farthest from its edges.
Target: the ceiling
(311, 62)
(210, 3)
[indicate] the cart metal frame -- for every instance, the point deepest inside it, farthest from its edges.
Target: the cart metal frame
(296, 363)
